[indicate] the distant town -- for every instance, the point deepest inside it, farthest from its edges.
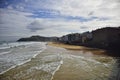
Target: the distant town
(107, 38)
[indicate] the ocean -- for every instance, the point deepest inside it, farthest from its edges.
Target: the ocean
(20, 60)
(18, 53)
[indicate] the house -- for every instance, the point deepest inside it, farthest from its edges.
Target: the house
(71, 38)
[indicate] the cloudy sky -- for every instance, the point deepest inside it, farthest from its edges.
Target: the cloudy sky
(22, 18)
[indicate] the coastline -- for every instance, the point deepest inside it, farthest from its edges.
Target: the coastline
(78, 48)
(76, 65)
(14, 53)
(42, 66)
(58, 63)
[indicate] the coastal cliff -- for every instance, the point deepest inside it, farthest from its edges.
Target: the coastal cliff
(107, 38)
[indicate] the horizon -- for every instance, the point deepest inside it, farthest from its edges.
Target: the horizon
(49, 18)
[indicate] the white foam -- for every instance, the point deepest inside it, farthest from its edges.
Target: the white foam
(15, 44)
(48, 67)
(7, 70)
(61, 62)
(3, 53)
(21, 58)
(84, 58)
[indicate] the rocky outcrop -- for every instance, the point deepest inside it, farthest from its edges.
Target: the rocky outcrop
(38, 38)
(106, 38)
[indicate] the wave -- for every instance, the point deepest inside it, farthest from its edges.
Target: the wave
(19, 64)
(20, 59)
(3, 53)
(61, 62)
(14, 44)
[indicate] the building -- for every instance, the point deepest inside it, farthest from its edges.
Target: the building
(71, 38)
(86, 36)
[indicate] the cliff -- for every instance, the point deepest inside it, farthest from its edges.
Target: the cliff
(107, 38)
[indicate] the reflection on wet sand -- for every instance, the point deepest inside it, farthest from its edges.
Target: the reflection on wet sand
(83, 63)
(115, 75)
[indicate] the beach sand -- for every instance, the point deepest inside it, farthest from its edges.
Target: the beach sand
(86, 66)
(79, 63)
(78, 48)
(42, 67)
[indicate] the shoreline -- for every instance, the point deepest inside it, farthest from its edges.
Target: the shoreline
(37, 68)
(95, 51)
(75, 65)
(23, 62)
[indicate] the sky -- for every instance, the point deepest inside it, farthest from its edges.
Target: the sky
(24, 18)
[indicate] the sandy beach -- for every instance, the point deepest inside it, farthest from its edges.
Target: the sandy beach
(42, 67)
(78, 48)
(86, 66)
(64, 62)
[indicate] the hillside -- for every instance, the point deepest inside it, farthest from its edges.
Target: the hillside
(38, 38)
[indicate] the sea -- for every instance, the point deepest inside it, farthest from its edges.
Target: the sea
(17, 53)
(28, 61)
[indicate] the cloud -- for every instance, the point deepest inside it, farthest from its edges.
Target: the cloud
(13, 23)
(101, 8)
(34, 26)
(74, 8)
(56, 17)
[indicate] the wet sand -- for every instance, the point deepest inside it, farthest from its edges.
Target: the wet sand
(77, 65)
(77, 69)
(42, 67)
(78, 48)
(83, 65)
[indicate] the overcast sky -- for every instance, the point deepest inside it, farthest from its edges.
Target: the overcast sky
(22, 18)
